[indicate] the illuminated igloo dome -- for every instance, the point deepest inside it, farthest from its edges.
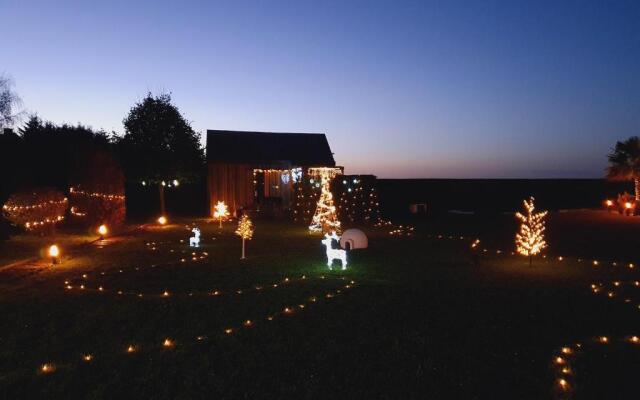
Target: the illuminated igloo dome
(354, 239)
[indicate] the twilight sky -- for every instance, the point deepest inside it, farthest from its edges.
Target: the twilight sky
(497, 89)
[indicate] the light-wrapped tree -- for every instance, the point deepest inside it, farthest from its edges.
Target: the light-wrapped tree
(530, 240)
(245, 230)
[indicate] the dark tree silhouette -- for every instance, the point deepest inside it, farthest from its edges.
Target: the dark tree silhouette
(624, 163)
(9, 101)
(159, 145)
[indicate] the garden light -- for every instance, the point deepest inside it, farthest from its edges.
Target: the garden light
(54, 253)
(102, 230)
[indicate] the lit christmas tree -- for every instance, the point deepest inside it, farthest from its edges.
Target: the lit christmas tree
(325, 219)
(530, 240)
(245, 230)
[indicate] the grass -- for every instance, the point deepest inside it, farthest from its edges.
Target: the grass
(425, 319)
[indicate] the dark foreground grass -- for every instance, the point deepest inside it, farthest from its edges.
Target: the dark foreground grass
(421, 321)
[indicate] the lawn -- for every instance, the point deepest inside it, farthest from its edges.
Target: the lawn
(423, 318)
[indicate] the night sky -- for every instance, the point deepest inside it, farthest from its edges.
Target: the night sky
(522, 89)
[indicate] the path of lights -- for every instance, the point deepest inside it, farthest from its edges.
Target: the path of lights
(83, 285)
(168, 343)
(566, 356)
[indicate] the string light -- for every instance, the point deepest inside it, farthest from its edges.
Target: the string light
(221, 212)
(245, 230)
(325, 218)
(78, 191)
(530, 240)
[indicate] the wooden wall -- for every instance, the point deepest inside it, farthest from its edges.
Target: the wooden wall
(231, 183)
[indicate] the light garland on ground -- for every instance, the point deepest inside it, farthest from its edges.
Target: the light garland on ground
(170, 343)
(530, 241)
(567, 355)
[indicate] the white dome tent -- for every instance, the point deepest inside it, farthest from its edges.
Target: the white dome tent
(352, 239)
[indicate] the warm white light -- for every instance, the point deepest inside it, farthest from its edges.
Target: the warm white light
(220, 211)
(54, 251)
(175, 182)
(325, 218)
(162, 220)
(530, 240)
(102, 230)
(245, 230)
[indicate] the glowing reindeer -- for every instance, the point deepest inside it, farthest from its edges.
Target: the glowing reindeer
(334, 254)
(194, 241)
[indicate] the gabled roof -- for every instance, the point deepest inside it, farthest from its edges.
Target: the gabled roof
(269, 148)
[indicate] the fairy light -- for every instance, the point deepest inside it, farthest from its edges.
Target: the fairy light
(245, 231)
(530, 240)
(78, 191)
(169, 343)
(325, 218)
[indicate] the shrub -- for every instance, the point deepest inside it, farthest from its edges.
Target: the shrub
(38, 209)
(98, 196)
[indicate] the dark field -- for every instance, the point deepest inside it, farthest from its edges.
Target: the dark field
(425, 318)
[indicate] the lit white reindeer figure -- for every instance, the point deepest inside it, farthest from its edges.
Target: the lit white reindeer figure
(194, 241)
(334, 254)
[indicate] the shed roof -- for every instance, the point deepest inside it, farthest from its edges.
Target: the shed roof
(269, 148)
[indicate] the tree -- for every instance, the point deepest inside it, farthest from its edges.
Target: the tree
(245, 230)
(530, 241)
(9, 101)
(624, 163)
(159, 146)
(325, 219)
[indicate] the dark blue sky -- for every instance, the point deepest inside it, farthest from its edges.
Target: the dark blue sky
(402, 89)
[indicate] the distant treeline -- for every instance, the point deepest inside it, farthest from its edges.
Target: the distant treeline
(495, 195)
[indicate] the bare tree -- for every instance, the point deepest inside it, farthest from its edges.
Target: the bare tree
(9, 102)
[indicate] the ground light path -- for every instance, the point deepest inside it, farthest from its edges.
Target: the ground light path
(342, 285)
(567, 356)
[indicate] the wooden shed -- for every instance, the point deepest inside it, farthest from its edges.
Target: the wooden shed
(258, 169)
